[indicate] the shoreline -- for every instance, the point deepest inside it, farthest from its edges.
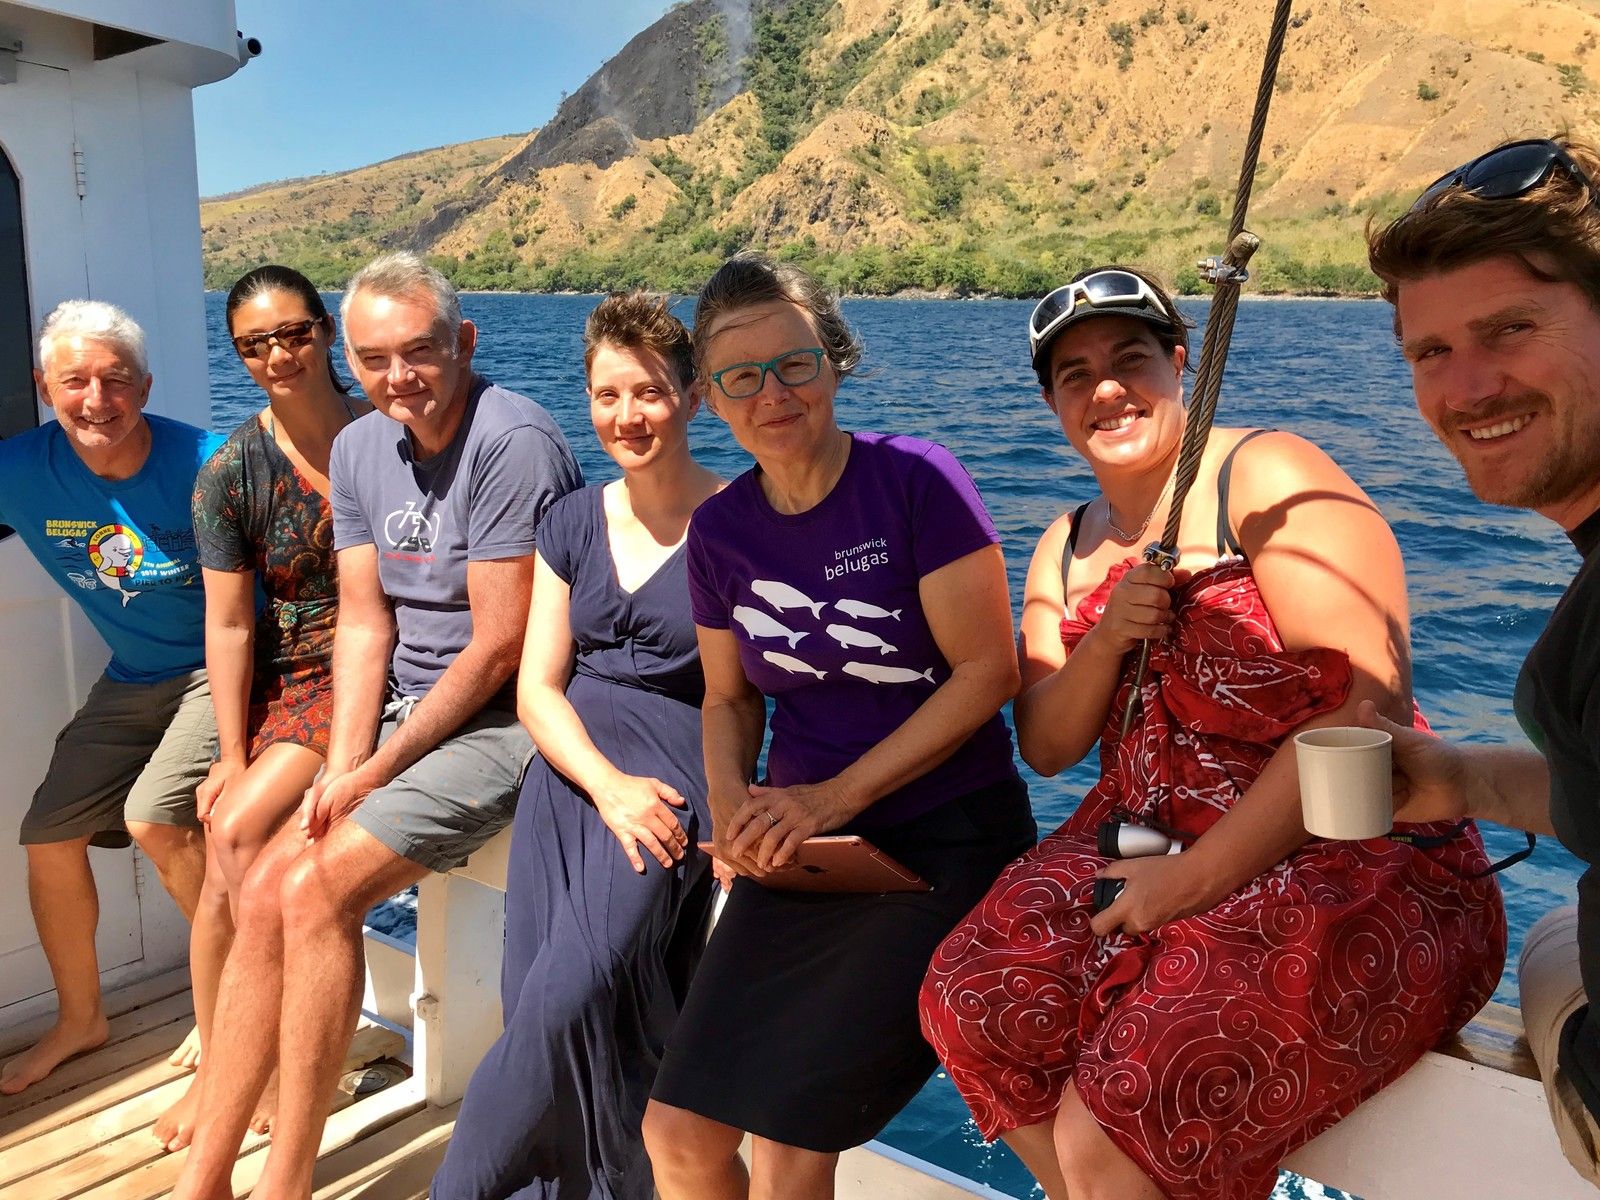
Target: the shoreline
(1245, 297)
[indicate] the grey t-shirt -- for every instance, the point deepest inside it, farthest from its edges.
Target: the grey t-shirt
(482, 497)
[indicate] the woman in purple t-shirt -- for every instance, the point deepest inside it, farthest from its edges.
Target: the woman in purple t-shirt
(856, 581)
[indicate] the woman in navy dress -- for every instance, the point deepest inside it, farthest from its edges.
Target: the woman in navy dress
(606, 895)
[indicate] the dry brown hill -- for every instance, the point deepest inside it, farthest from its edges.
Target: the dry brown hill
(965, 144)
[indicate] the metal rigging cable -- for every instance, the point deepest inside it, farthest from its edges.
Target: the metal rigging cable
(1226, 275)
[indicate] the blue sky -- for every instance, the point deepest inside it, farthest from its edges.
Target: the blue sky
(342, 83)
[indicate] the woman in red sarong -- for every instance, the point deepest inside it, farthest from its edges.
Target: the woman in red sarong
(1238, 998)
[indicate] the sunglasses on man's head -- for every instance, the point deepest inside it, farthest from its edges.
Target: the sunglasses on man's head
(1507, 172)
(1111, 290)
(289, 336)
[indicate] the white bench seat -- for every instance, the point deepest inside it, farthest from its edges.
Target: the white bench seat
(1468, 1122)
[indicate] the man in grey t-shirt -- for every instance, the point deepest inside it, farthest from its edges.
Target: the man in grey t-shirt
(436, 497)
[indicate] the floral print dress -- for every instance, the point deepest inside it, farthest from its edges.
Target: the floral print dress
(254, 511)
(1214, 1045)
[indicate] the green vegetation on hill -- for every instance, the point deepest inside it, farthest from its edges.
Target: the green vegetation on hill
(1317, 254)
(953, 146)
(1320, 255)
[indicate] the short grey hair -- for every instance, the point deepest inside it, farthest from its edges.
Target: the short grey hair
(97, 321)
(400, 274)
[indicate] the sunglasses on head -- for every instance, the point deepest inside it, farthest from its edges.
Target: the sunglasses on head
(1507, 172)
(289, 336)
(1103, 291)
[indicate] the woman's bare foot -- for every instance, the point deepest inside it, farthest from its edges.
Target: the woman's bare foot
(266, 1107)
(187, 1055)
(49, 1052)
(175, 1128)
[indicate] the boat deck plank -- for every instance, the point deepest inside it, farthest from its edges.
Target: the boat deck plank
(111, 1089)
(123, 1000)
(85, 1132)
(1495, 1039)
(58, 1146)
(140, 1050)
(395, 1164)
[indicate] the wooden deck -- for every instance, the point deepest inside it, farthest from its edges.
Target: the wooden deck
(1495, 1041)
(85, 1130)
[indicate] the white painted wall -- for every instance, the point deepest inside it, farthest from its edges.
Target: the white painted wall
(138, 222)
(133, 238)
(200, 33)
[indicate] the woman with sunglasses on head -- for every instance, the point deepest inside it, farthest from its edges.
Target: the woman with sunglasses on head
(1237, 998)
(261, 519)
(856, 580)
(606, 896)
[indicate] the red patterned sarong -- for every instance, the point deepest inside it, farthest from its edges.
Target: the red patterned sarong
(1212, 1047)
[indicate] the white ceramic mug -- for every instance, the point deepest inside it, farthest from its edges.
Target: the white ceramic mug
(1346, 782)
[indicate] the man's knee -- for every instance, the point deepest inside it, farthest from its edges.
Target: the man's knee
(1550, 982)
(314, 895)
(161, 842)
(258, 901)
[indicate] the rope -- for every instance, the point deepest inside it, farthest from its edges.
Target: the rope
(1226, 274)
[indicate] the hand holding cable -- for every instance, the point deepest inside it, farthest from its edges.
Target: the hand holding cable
(1139, 609)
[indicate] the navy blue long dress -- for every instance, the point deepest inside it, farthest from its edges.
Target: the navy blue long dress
(597, 956)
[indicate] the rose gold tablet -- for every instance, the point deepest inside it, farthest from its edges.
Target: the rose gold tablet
(842, 863)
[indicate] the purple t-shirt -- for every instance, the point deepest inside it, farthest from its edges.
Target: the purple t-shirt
(825, 610)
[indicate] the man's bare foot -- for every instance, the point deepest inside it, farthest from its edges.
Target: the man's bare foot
(187, 1055)
(266, 1107)
(175, 1128)
(50, 1051)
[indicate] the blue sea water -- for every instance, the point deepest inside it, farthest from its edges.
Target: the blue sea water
(1482, 580)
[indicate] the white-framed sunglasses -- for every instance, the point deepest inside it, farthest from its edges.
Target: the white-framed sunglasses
(1104, 292)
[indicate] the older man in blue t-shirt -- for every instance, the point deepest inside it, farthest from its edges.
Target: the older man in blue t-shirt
(101, 497)
(436, 497)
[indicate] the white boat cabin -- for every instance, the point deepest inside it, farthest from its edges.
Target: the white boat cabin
(98, 198)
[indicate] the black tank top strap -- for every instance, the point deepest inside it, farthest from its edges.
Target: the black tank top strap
(1226, 542)
(1072, 542)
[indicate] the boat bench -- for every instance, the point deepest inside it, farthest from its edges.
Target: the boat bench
(1469, 1121)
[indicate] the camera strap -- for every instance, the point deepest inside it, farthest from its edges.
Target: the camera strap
(1432, 841)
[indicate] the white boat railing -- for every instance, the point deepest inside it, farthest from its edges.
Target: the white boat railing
(1449, 1127)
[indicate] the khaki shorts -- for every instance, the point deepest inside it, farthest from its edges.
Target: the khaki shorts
(1551, 992)
(454, 798)
(133, 752)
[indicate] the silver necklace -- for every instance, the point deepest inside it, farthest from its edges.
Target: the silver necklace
(1123, 535)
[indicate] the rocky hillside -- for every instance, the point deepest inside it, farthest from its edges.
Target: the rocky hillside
(961, 145)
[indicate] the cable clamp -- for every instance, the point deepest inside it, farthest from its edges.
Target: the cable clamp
(1165, 557)
(1218, 272)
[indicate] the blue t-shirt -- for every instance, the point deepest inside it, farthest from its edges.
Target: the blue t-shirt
(123, 549)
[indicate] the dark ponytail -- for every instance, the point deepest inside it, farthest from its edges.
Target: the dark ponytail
(275, 278)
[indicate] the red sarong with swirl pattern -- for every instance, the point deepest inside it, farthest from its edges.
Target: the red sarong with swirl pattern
(1213, 1046)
